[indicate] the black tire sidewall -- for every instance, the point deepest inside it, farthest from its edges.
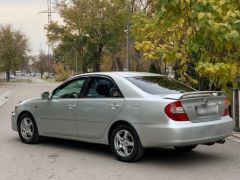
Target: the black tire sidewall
(137, 144)
(35, 136)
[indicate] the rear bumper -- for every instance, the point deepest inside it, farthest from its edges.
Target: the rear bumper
(184, 133)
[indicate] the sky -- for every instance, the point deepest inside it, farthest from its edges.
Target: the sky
(24, 15)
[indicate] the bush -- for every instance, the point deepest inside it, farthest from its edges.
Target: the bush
(62, 73)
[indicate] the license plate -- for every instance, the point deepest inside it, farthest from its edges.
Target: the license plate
(207, 109)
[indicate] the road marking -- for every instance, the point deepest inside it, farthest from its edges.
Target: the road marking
(4, 97)
(234, 139)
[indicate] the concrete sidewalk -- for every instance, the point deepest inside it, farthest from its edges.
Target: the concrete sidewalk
(236, 134)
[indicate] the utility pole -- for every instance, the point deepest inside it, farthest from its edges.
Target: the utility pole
(49, 12)
(128, 46)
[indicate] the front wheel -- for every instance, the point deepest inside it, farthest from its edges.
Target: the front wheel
(125, 144)
(27, 129)
(185, 148)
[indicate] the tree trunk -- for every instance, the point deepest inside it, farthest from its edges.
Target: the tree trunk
(158, 64)
(8, 75)
(119, 64)
(41, 74)
(41, 69)
(98, 59)
(165, 68)
(97, 66)
(138, 60)
(114, 64)
(84, 68)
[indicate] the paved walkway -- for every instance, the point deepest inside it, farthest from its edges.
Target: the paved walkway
(235, 137)
(236, 134)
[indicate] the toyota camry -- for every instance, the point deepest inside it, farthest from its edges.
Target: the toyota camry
(129, 111)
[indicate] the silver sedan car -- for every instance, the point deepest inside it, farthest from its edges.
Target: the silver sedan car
(129, 111)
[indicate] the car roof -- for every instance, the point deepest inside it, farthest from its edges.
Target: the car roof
(123, 74)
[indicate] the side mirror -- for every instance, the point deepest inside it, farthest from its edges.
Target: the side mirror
(45, 95)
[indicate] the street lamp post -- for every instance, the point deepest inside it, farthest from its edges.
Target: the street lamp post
(128, 46)
(76, 61)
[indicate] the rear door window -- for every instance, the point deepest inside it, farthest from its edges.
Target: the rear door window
(101, 87)
(159, 85)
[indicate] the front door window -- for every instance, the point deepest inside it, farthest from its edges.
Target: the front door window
(70, 90)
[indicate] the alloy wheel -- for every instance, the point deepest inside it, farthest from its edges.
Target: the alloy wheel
(27, 128)
(124, 143)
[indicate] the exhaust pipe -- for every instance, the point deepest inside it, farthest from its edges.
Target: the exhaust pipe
(222, 141)
(209, 144)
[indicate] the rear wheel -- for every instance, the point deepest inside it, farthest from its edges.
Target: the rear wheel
(185, 148)
(27, 129)
(125, 144)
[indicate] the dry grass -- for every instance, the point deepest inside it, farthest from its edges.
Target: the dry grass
(16, 81)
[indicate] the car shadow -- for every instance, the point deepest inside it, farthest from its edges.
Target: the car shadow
(79, 146)
(154, 156)
(170, 156)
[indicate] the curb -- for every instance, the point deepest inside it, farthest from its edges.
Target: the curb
(236, 135)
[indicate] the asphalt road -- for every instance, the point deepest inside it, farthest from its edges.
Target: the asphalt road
(57, 159)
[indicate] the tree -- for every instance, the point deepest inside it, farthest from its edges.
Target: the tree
(91, 27)
(200, 35)
(13, 49)
(43, 63)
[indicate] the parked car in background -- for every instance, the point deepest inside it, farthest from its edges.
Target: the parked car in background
(52, 75)
(12, 76)
(129, 111)
(20, 73)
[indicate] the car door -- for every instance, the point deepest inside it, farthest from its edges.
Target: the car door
(101, 103)
(59, 112)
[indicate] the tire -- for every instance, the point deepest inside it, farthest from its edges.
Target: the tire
(27, 129)
(125, 144)
(185, 148)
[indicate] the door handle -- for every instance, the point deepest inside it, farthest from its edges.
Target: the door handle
(71, 106)
(114, 106)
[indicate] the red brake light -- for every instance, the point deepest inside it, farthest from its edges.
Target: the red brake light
(226, 110)
(176, 112)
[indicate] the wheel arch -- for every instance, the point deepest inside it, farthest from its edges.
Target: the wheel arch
(23, 112)
(118, 123)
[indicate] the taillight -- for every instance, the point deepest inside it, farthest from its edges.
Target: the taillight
(226, 110)
(176, 112)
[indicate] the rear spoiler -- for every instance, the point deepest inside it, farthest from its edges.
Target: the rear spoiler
(195, 94)
(202, 94)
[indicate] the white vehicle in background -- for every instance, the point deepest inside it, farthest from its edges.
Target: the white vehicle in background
(12, 76)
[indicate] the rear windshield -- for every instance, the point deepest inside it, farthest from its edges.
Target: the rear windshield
(159, 85)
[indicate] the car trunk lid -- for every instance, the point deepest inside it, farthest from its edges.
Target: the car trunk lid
(201, 106)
